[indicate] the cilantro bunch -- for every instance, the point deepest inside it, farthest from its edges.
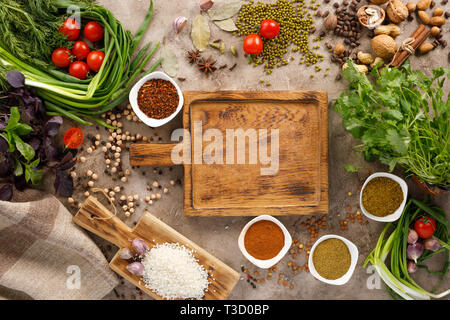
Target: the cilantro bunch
(402, 119)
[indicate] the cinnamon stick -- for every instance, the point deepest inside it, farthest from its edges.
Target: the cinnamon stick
(419, 36)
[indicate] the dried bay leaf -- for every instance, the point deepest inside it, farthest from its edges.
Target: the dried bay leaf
(170, 62)
(200, 33)
(226, 11)
(226, 25)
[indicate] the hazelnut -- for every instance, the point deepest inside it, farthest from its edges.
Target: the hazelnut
(330, 22)
(411, 6)
(438, 12)
(384, 46)
(339, 48)
(435, 31)
(397, 11)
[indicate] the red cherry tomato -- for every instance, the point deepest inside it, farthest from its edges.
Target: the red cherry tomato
(79, 69)
(253, 44)
(73, 138)
(425, 227)
(61, 57)
(95, 60)
(93, 31)
(71, 29)
(269, 29)
(80, 50)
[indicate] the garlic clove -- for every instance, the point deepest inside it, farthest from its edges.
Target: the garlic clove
(125, 254)
(139, 246)
(179, 23)
(136, 268)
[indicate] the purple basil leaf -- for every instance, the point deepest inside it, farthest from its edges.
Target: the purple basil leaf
(16, 79)
(67, 158)
(63, 184)
(6, 165)
(20, 183)
(3, 145)
(35, 143)
(6, 192)
(4, 118)
(51, 153)
(52, 126)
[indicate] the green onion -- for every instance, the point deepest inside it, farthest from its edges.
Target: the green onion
(397, 279)
(77, 99)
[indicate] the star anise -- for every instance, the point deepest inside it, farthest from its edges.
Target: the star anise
(193, 56)
(207, 65)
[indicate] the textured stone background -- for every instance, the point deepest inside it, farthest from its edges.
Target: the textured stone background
(219, 235)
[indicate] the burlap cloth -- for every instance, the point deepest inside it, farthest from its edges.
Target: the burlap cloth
(44, 255)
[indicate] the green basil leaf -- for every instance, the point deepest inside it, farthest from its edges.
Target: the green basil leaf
(33, 175)
(18, 169)
(25, 149)
(22, 129)
(13, 119)
(35, 163)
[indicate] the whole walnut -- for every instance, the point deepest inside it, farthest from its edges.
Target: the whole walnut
(397, 11)
(384, 46)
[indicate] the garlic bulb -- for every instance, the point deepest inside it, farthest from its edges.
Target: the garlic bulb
(179, 23)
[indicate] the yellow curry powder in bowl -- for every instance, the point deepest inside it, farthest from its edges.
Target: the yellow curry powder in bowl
(382, 196)
(331, 259)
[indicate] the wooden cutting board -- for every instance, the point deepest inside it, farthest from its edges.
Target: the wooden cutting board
(299, 186)
(94, 217)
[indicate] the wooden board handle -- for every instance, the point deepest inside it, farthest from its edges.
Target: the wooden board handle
(94, 217)
(151, 154)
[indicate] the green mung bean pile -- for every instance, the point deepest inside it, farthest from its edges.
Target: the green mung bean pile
(296, 22)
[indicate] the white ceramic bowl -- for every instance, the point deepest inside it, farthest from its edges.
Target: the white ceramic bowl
(397, 213)
(265, 264)
(134, 103)
(354, 260)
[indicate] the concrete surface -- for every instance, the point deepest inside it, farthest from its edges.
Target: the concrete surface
(219, 235)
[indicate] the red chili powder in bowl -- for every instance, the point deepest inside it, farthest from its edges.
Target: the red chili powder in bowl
(264, 240)
(158, 98)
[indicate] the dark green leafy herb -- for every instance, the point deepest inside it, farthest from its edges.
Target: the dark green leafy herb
(401, 119)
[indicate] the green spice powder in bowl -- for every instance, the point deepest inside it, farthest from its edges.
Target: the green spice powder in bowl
(333, 259)
(383, 197)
